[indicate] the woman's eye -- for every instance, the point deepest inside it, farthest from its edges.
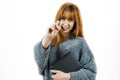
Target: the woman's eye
(70, 19)
(62, 19)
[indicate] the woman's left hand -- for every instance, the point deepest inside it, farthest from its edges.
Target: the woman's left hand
(59, 75)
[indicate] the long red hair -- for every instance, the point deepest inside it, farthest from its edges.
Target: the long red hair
(70, 11)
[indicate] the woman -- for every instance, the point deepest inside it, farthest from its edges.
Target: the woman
(65, 35)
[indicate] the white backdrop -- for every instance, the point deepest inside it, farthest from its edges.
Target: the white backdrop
(24, 22)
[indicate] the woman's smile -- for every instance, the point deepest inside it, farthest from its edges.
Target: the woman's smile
(65, 28)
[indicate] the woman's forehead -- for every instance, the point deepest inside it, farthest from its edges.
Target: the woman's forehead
(68, 14)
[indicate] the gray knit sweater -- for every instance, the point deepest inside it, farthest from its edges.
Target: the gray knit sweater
(80, 50)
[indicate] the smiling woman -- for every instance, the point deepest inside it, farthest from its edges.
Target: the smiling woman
(66, 30)
(24, 22)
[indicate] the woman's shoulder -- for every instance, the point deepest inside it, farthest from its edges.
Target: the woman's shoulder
(71, 37)
(80, 39)
(77, 41)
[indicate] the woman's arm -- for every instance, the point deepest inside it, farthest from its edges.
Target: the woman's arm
(42, 49)
(88, 72)
(41, 56)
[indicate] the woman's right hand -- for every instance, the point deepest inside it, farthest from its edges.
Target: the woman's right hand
(51, 33)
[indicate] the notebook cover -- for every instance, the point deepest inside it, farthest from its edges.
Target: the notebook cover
(66, 64)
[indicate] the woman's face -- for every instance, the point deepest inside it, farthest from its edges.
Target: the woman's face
(67, 25)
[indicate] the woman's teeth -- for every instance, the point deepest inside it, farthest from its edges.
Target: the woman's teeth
(65, 28)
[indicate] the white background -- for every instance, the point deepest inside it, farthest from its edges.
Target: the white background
(24, 22)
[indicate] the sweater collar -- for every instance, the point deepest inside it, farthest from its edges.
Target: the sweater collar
(68, 36)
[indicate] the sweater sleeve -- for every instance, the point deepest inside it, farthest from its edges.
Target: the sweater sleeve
(41, 56)
(88, 70)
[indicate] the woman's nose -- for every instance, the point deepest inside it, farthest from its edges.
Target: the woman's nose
(66, 22)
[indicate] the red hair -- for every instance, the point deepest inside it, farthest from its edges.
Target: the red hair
(68, 11)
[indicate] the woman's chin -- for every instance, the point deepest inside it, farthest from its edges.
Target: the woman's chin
(66, 32)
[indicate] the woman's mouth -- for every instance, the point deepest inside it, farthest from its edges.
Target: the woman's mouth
(65, 28)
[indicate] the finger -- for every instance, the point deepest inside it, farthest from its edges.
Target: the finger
(51, 28)
(52, 76)
(56, 28)
(58, 25)
(61, 22)
(54, 71)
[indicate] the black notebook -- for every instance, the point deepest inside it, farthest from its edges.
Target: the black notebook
(67, 64)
